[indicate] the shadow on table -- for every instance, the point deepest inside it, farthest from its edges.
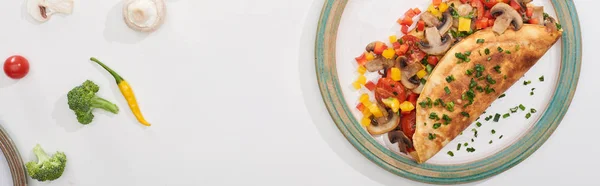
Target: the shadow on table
(321, 118)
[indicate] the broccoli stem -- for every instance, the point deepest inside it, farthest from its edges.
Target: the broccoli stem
(98, 102)
(40, 153)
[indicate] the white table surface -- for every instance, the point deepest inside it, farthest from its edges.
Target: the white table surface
(233, 100)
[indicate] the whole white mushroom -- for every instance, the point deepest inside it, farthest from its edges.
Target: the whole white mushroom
(144, 15)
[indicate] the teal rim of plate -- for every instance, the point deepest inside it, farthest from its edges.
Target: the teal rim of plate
(447, 174)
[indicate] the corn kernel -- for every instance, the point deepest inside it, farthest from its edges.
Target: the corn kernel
(421, 73)
(389, 53)
(393, 39)
(396, 74)
(407, 106)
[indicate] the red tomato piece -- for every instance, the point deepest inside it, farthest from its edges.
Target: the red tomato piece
(407, 21)
(403, 48)
(414, 53)
(420, 25)
(413, 98)
(361, 60)
(360, 107)
(370, 85)
(396, 45)
(408, 123)
(417, 11)
(529, 12)
(515, 5)
(387, 88)
(432, 60)
(410, 13)
(491, 22)
(463, 1)
(534, 21)
(491, 3)
(16, 67)
(437, 2)
(488, 14)
(379, 48)
(404, 29)
(480, 8)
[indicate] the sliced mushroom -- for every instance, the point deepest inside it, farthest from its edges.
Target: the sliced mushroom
(436, 45)
(419, 89)
(409, 78)
(432, 21)
(538, 14)
(399, 137)
(144, 15)
(379, 63)
(505, 16)
(382, 128)
(42, 10)
(550, 24)
(523, 4)
(464, 9)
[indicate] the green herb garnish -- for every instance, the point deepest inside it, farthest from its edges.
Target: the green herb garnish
(501, 136)
(533, 110)
(465, 114)
(478, 124)
(434, 115)
(460, 56)
(500, 49)
(447, 119)
(450, 78)
(450, 106)
(506, 115)
(480, 40)
(497, 117)
(493, 131)
(502, 95)
(488, 117)
(497, 68)
(541, 78)
(458, 146)
(487, 51)
(490, 142)
(507, 52)
(431, 136)
(470, 149)
(423, 81)
(469, 72)
(447, 90)
(526, 82)
(513, 110)
(428, 68)
(451, 153)
(489, 79)
(437, 125)
(527, 115)
(521, 107)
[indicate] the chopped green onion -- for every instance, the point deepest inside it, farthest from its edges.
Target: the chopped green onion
(497, 117)
(489, 79)
(500, 49)
(533, 110)
(497, 68)
(458, 146)
(513, 110)
(521, 107)
(526, 82)
(431, 136)
(490, 142)
(468, 53)
(451, 153)
(460, 56)
(541, 78)
(488, 117)
(428, 68)
(487, 51)
(470, 149)
(480, 40)
(450, 78)
(527, 115)
(489, 58)
(469, 72)
(493, 131)
(437, 125)
(466, 144)
(447, 90)
(447, 119)
(473, 83)
(472, 140)
(450, 106)
(465, 114)
(531, 93)
(478, 124)
(502, 95)
(506, 115)
(434, 115)
(558, 26)
(500, 136)
(507, 52)
(423, 81)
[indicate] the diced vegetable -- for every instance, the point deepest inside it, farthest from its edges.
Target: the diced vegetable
(356, 85)
(369, 56)
(393, 39)
(370, 85)
(464, 24)
(481, 23)
(392, 103)
(443, 7)
(404, 29)
(480, 8)
(361, 60)
(360, 107)
(375, 110)
(407, 21)
(410, 13)
(433, 10)
(396, 45)
(388, 53)
(421, 73)
(403, 48)
(491, 22)
(366, 121)
(379, 47)
(406, 107)
(533, 21)
(364, 99)
(417, 11)
(420, 25)
(396, 74)
(437, 2)
(432, 60)
(361, 70)
(362, 79)
(514, 4)
(529, 11)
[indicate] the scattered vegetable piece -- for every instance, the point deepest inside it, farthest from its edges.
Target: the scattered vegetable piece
(451, 153)
(82, 100)
(126, 91)
(47, 168)
(16, 67)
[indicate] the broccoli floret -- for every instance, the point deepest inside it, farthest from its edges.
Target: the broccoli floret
(82, 100)
(47, 168)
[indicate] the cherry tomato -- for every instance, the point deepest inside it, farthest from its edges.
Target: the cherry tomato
(408, 123)
(387, 88)
(16, 67)
(491, 3)
(414, 53)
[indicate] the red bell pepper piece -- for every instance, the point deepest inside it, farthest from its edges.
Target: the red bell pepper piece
(361, 60)
(420, 25)
(404, 29)
(370, 85)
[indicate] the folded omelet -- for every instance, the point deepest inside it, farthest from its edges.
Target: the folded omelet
(475, 71)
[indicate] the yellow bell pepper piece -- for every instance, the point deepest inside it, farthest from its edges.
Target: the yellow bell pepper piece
(464, 24)
(375, 110)
(356, 85)
(407, 106)
(389, 53)
(362, 70)
(421, 73)
(392, 103)
(362, 79)
(364, 98)
(433, 10)
(367, 113)
(366, 121)
(393, 39)
(396, 74)
(443, 7)
(369, 56)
